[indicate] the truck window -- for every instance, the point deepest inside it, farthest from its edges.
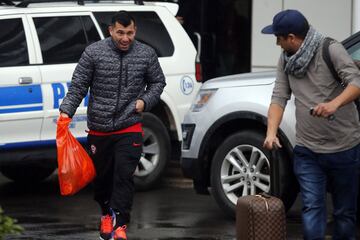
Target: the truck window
(63, 39)
(354, 51)
(150, 30)
(13, 48)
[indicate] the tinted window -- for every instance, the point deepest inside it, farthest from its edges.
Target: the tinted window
(354, 51)
(13, 49)
(63, 39)
(150, 30)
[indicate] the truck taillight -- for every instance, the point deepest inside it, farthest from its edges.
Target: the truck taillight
(198, 72)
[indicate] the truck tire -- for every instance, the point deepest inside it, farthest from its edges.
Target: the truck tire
(156, 153)
(28, 173)
(232, 175)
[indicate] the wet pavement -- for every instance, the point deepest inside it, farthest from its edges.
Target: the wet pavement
(162, 214)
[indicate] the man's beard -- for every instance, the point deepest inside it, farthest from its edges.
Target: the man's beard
(289, 53)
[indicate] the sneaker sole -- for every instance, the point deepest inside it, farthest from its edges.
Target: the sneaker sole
(106, 239)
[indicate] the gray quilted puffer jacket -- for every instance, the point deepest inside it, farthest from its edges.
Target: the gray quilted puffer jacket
(116, 80)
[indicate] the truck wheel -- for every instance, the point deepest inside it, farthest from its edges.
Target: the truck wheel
(156, 152)
(28, 173)
(241, 167)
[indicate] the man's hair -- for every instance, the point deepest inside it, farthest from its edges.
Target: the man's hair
(122, 17)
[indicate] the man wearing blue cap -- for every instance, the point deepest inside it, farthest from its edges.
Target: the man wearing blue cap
(327, 137)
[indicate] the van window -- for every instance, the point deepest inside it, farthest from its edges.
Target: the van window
(13, 48)
(63, 39)
(150, 30)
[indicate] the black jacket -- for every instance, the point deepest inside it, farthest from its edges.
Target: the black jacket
(116, 80)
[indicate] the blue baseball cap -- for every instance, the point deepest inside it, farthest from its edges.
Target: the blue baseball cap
(286, 22)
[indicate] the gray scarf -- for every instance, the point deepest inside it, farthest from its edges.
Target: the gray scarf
(297, 64)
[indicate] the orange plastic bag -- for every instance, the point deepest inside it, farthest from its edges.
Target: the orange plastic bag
(75, 167)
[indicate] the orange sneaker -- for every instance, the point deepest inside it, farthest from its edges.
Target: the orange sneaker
(120, 233)
(107, 226)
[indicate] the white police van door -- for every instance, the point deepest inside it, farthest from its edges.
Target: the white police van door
(21, 98)
(62, 38)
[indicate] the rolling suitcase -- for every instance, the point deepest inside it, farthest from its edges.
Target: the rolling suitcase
(260, 217)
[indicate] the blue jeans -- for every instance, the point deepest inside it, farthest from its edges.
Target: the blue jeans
(338, 171)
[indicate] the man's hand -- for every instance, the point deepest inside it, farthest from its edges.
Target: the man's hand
(275, 114)
(350, 93)
(139, 106)
(324, 109)
(271, 141)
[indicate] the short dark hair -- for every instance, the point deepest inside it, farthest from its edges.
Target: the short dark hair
(122, 17)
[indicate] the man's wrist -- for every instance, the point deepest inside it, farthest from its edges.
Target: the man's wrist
(143, 102)
(63, 114)
(271, 132)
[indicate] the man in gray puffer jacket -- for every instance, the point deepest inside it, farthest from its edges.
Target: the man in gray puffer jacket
(125, 78)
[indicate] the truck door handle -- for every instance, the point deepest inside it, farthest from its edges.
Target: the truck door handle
(25, 80)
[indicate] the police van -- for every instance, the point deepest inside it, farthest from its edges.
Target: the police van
(40, 45)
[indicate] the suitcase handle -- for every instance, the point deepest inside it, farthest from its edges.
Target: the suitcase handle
(274, 172)
(263, 198)
(264, 195)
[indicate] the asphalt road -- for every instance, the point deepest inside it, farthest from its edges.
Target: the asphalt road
(162, 214)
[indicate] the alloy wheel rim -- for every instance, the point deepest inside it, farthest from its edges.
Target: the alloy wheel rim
(150, 154)
(245, 170)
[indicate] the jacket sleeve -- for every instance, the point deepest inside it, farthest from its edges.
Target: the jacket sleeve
(155, 82)
(282, 91)
(79, 84)
(344, 64)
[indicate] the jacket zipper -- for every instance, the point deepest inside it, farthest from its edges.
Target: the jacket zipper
(126, 75)
(118, 92)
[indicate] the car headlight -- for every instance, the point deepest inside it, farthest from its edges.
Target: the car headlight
(202, 99)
